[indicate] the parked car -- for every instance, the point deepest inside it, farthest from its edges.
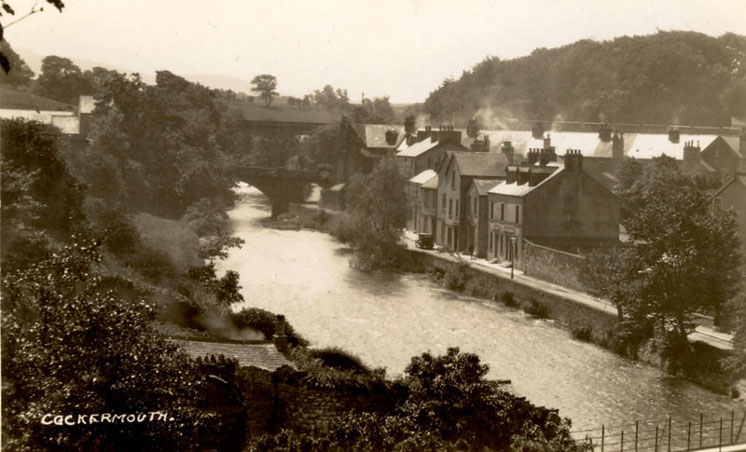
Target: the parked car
(425, 241)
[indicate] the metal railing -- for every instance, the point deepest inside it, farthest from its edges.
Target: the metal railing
(668, 434)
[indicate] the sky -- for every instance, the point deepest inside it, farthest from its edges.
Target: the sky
(400, 48)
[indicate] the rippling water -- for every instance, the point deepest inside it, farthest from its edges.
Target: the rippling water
(386, 319)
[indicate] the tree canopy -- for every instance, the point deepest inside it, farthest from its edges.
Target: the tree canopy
(681, 258)
(265, 85)
(670, 77)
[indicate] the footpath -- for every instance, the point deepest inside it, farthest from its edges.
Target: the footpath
(702, 333)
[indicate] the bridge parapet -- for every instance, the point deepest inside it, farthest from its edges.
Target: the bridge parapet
(280, 185)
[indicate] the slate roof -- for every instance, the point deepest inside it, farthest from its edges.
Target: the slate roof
(483, 186)
(261, 354)
(431, 183)
(374, 135)
(481, 164)
(418, 148)
(423, 177)
(734, 143)
(514, 189)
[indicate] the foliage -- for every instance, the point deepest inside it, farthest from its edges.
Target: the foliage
(682, 259)
(581, 331)
(638, 79)
(71, 347)
(377, 111)
(457, 278)
(330, 99)
(265, 321)
(41, 199)
(265, 85)
(333, 369)
(61, 79)
(537, 309)
(19, 73)
(508, 299)
(339, 359)
(377, 205)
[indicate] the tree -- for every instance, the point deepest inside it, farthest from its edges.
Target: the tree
(377, 207)
(681, 259)
(62, 80)
(265, 86)
(71, 348)
(6, 61)
(19, 72)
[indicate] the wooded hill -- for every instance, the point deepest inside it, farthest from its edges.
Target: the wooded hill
(673, 77)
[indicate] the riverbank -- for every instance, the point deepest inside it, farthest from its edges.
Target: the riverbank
(584, 317)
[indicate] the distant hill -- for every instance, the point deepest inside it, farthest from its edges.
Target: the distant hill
(675, 77)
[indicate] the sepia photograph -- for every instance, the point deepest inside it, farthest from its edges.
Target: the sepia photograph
(373, 225)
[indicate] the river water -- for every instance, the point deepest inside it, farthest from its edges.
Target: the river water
(388, 318)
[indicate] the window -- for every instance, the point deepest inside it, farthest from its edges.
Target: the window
(457, 208)
(492, 210)
(475, 206)
(517, 214)
(453, 179)
(443, 204)
(450, 208)
(490, 241)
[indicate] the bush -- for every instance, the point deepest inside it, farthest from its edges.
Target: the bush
(508, 299)
(265, 321)
(481, 286)
(152, 264)
(457, 278)
(537, 309)
(339, 359)
(581, 332)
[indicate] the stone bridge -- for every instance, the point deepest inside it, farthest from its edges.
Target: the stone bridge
(281, 185)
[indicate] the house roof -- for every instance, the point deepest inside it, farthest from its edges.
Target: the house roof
(648, 146)
(337, 187)
(737, 179)
(514, 189)
(431, 183)
(261, 354)
(483, 186)
(423, 177)
(735, 144)
(418, 148)
(480, 164)
(374, 135)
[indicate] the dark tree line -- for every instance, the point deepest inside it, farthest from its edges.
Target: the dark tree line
(668, 77)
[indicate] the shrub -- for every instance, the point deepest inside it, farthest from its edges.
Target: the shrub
(537, 309)
(457, 278)
(264, 321)
(508, 299)
(339, 359)
(154, 265)
(581, 332)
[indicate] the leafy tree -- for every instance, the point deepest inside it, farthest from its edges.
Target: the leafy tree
(6, 60)
(681, 259)
(38, 192)
(377, 214)
(733, 97)
(70, 347)
(265, 85)
(19, 72)
(62, 80)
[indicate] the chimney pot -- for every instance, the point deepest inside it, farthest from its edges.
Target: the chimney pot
(674, 135)
(280, 338)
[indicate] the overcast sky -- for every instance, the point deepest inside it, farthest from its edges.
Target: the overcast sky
(401, 48)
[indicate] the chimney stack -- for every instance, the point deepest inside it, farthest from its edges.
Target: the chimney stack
(617, 147)
(604, 132)
(674, 135)
(280, 338)
(511, 174)
(574, 160)
(533, 156)
(691, 152)
(547, 142)
(391, 136)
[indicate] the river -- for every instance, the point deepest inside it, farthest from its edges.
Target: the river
(388, 318)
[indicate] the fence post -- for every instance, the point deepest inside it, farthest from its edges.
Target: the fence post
(732, 421)
(720, 438)
(603, 433)
(669, 433)
(701, 421)
(636, 432)
(622, 448)
(689, 436)
(738, 435)
(656, 439)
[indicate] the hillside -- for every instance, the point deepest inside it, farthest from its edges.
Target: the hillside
(669, 77)
(280, 111)
(20, 99)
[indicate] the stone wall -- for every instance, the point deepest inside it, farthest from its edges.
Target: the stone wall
(563, 310)
(552, 265)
